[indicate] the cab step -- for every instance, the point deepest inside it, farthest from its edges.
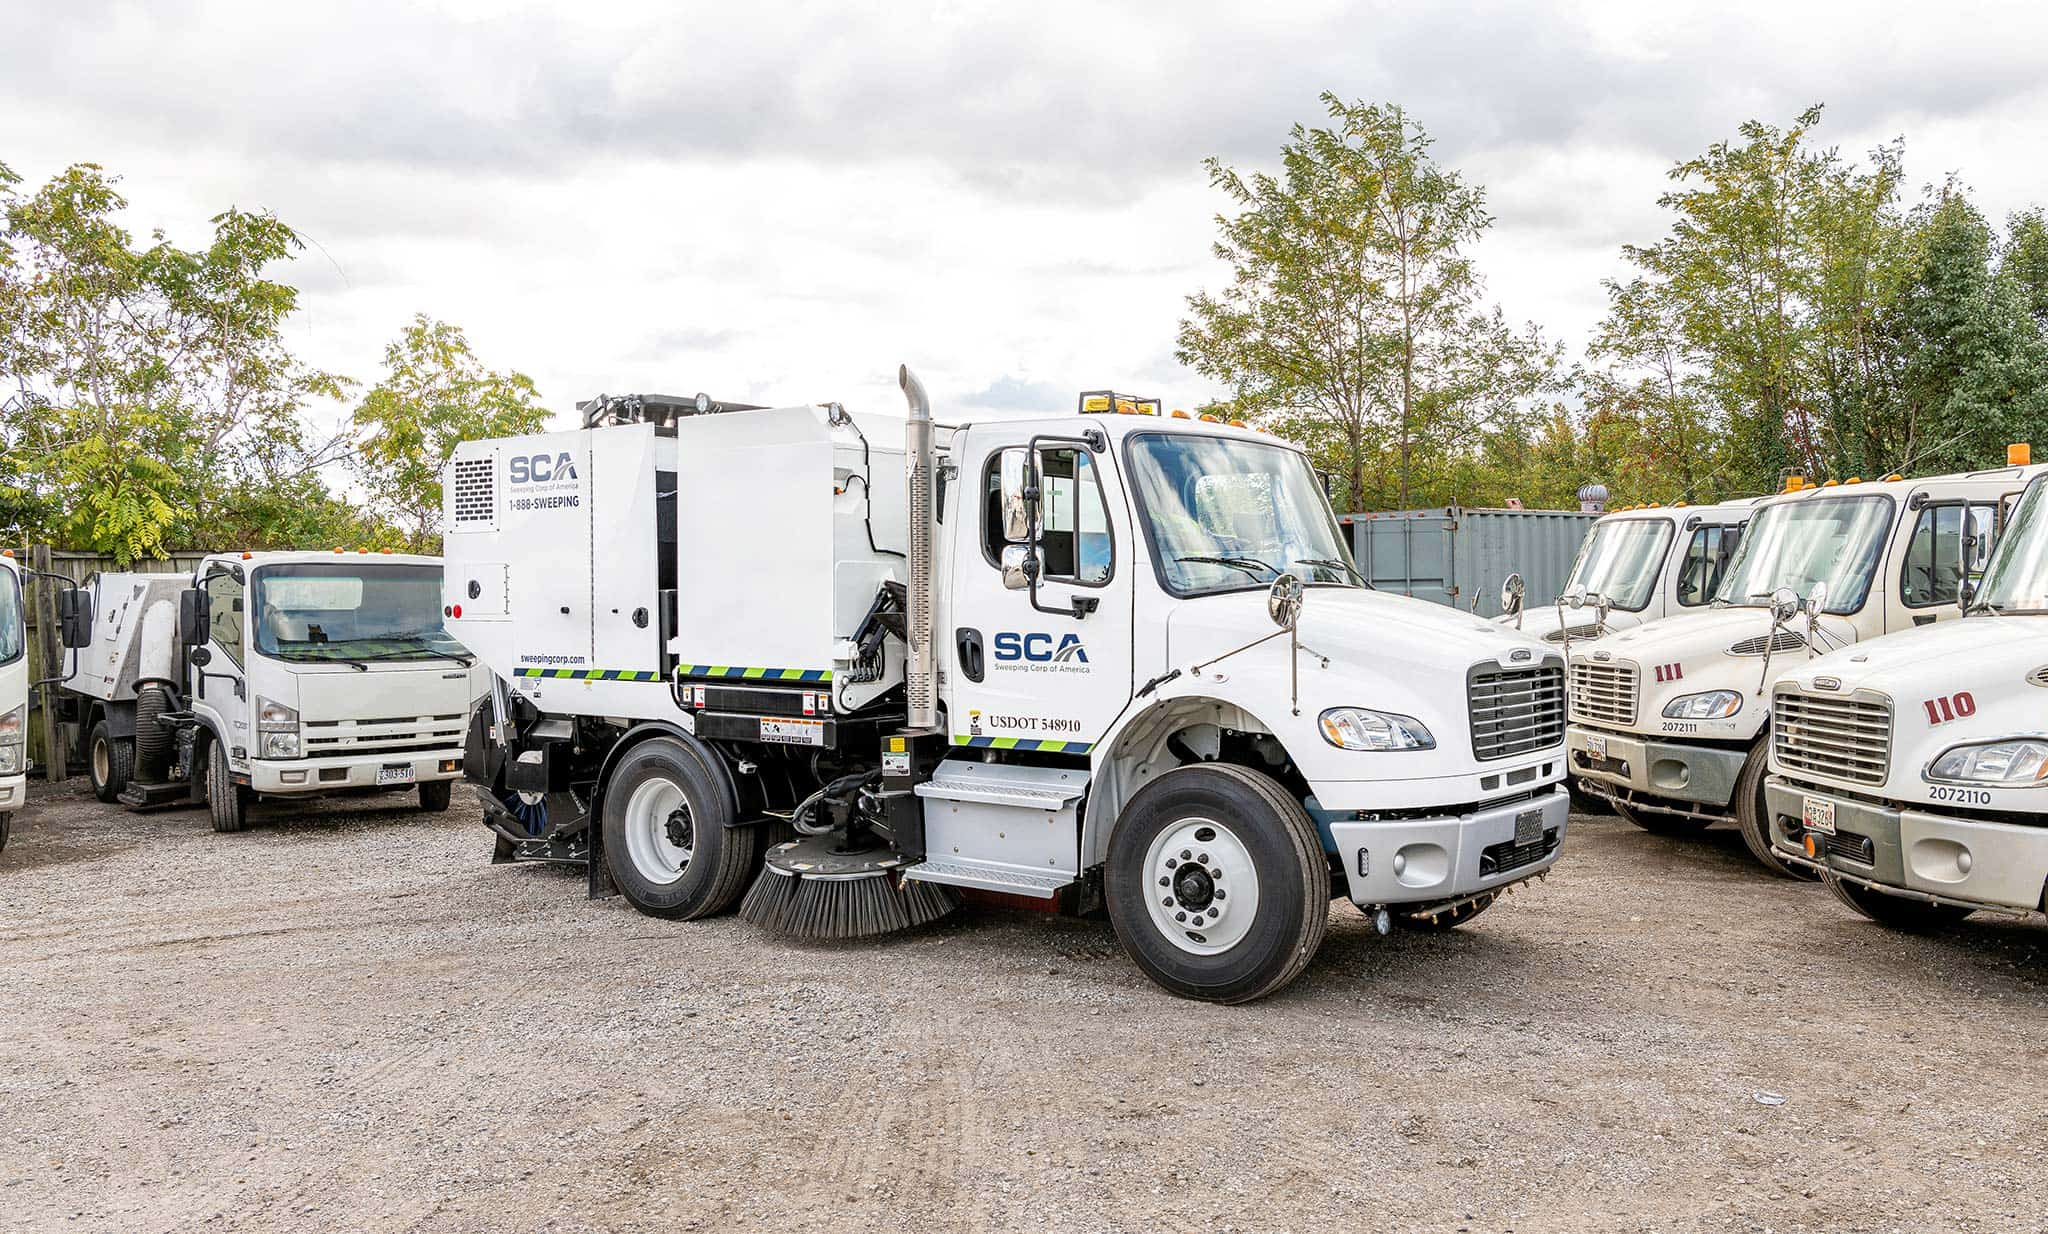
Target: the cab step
(1002, 827)
(156, 796)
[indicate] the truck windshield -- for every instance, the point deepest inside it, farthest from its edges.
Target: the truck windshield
(1834, 540)
(2017, 579)
(12, 640)
(1229, 515)
(351, 611)
(1620, 561)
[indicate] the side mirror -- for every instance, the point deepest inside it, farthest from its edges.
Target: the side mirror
(200, 656)
(74, 617)
(1283, 601)
(1020, 566)
(1019, 494)
(195, 613)
(1784, 605)
(1511, 591)
(1817, 603)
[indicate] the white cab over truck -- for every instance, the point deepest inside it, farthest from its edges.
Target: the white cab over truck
(13, 696)
(1071, 661)
(1637, 565)
(1912, 771)
(267, 675)
(1669, 720)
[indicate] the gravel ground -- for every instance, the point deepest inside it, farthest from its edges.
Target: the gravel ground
(346, 1019)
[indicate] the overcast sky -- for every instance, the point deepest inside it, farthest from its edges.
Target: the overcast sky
(780, 202)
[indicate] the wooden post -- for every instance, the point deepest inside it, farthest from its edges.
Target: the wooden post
(49, 639)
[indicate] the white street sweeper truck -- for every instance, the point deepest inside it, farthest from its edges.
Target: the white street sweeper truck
(266, 675)
(1109, 660)
(13, 696)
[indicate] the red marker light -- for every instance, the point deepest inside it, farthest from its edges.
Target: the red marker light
(456, 611)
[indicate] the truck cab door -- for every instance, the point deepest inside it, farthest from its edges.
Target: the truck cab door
(219, 688)
(1050, 672)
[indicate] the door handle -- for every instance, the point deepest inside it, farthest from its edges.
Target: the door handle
(967, 645)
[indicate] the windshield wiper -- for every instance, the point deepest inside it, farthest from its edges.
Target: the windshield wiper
(404, 653)
(1334, 564)
(304, 657)
(1236, 563)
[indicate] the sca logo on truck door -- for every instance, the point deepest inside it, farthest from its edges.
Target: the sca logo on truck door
(1038, 650)
(541, 468)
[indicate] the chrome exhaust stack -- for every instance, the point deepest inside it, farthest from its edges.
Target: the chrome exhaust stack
(920, 672)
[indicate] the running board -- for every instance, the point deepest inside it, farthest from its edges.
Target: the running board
(988, 876)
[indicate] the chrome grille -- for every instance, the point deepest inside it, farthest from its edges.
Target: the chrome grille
(394, 735)
(1515, 710)
(1841, 737)
(1604, 693)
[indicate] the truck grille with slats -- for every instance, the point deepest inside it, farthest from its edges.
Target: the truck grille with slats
(1604, 693)
(1515, 710)
(398, 735)
(1843, 737)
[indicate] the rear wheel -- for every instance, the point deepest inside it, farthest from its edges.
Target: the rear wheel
(435, 795)
(667, 841)
(1436, 921)
(227, 803)
(109, 762)
(1753, 813)
(1216, 883)
(1898, 912)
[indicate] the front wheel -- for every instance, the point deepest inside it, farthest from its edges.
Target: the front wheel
(667, 838)
(1898, 912)
(1753, 813)
(227, 803)
(1217, 885)
(435, 795)
(6, 825)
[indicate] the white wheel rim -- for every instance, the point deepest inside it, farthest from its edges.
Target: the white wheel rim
(100, 770)
(1201, 886)
(655, 854)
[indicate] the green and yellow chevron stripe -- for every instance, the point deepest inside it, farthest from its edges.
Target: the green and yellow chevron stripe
(733, 672)
(586, 674)
(1025, 743)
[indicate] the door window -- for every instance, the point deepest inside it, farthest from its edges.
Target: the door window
(225, 621)
(1938, 557)
(1706, 560)
(1074, 542)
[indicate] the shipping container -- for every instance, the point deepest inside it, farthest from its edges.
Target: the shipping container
(1455, 555)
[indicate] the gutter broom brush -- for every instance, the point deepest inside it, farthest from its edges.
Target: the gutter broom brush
(809, 889)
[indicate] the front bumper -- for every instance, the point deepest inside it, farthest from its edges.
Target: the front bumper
(1956, 860)
(325, 775)
(13, 793)
(1409, 861)
(1704, 775)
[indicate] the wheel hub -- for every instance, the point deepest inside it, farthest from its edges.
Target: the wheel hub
(680, 832)
(1194, 887)
(1203, 893)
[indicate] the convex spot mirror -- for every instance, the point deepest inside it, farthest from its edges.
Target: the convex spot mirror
(74, 617)
(1511, 591)
(195, 612)
(1020, 565)
(1283, 601)
(1019, 483)
(1784, 604)
(1817, 603)
(200, 656)
(1574, 596)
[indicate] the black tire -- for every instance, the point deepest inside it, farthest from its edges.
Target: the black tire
(1446, 919)
(711, 879)
(109, 762)
(1292, 907)
(1661, 824)
(1753, 814)
(1896, 912)
(435, 795)
(6, 825)
(227, 803)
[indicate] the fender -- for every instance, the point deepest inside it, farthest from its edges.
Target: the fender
(1134, 750)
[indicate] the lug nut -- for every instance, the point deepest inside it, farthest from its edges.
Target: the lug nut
(1165, 881)
(1219, 893)
(1180, 916)
(1214, 912)
(1170, 863)
(1184, 854)
(1204, 859)
(1167, 902)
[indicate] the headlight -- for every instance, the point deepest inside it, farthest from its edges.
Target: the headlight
(2020, 763)
(1713, 705)
(277, 728)
(1355, 728)
(13, 731)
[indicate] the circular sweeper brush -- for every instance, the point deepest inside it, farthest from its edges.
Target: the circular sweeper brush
(810, 889)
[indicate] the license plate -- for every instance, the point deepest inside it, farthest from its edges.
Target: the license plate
(1818, 813)
(794, 732)
(1597, 747)
(398, 774)
(1528, 828)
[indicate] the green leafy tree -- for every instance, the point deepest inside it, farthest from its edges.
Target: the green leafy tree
(152, 401)
(1352, 317)
(435, 394)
